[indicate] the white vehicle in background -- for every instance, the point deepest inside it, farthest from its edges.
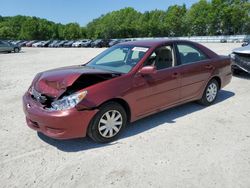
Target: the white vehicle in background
(82, 43)
(37, 44)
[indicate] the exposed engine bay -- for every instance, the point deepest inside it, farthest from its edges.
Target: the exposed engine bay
(82, 82)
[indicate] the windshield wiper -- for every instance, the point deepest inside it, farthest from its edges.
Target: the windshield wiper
(85, 65)
(113, 72)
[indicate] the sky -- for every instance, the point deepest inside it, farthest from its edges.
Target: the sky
(80, 11)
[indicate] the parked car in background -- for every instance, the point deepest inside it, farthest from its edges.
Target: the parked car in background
(124, 83)
(69, 43)
(245, 43)
(52, 44)
(241, 59)
(22, 44)
(86, 43)
(77, 43)
(223, 41)
(38, 44)
(80, 43)
(46, 43)
(114, 42)
(8, 47)
(60, 44)
(29, 44)
(9, 41)
(99, 43)
(17, 42)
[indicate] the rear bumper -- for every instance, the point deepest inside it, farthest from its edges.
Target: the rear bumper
(226, 79)
(65, 124)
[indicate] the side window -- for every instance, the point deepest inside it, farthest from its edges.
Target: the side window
(161, 58)
(189, 54)
(5, 43)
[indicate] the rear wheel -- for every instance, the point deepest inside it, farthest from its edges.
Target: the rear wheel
(108, 123)
(210, 93)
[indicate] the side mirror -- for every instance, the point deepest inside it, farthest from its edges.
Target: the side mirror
(147, 70)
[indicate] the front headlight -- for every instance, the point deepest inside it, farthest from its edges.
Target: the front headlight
(232, 55)
(68, 102)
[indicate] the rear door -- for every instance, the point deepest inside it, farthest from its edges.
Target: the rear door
(195, 70)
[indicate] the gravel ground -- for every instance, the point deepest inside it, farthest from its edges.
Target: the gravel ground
(187, 146)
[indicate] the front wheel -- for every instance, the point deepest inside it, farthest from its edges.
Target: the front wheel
(107, 123)
(16, 50)
(210, 93)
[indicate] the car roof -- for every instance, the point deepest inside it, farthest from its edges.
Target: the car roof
(152, 42)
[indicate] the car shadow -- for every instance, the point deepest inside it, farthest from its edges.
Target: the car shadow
(12, 52)
(5, 53)
(168, 116)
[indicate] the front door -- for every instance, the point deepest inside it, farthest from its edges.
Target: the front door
(159, 90)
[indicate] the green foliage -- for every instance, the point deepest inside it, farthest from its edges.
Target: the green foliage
(199, 19)
(117, 24)
(175, 21)
(72, 31)
(151, 24)
(230, 17)
(205, 17)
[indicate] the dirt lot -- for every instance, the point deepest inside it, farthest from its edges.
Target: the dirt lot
(188, 146)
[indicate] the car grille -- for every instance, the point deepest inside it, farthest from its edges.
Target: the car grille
(41, 98)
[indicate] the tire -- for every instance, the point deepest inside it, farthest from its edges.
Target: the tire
(16, 50)
(102, 131)
(210, 93)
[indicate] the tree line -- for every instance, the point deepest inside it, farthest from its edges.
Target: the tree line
(215, 17)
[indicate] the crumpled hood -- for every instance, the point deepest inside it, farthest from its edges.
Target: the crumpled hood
(242, 50)
(54, 82)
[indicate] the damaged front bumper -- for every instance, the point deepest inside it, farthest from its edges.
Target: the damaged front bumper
(240, 62)
(65, 124)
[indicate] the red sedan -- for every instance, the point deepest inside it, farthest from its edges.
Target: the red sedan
(123, 84)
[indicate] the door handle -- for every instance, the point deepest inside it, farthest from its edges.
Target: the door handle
(209, 67)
